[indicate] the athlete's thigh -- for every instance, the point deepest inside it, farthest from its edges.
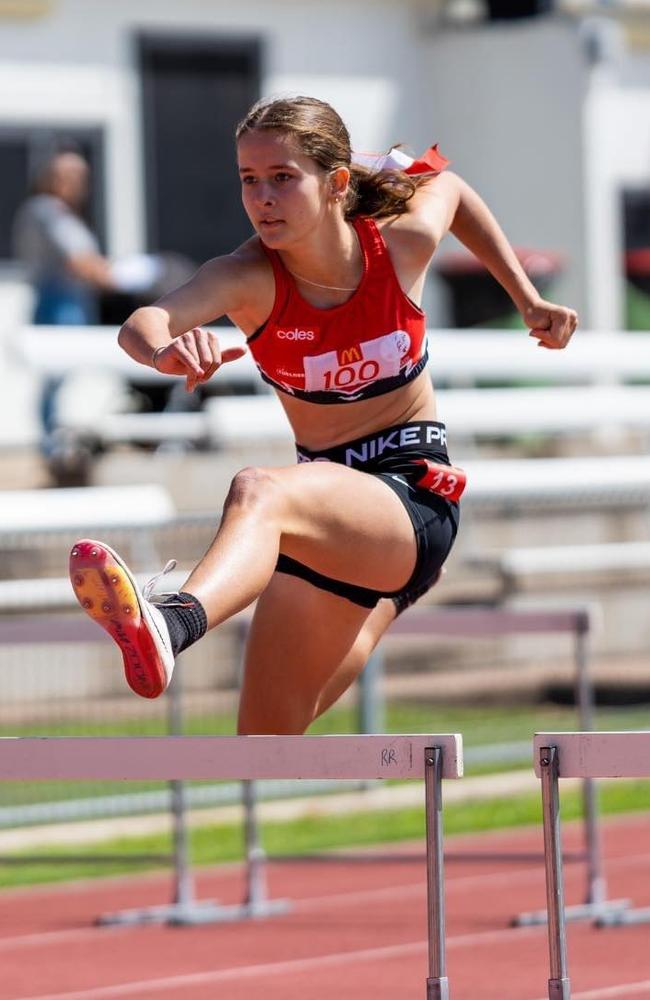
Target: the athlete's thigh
(346, 524)
(298, 638)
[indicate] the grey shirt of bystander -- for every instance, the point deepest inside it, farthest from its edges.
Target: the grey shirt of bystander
(47, 233)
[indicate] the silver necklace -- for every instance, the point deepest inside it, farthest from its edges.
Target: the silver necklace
(317, 284)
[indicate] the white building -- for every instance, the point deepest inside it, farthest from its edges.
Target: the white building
(549, 117)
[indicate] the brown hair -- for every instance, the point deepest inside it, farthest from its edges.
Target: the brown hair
(322, 135)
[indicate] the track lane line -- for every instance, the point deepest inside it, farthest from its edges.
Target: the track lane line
(149, 986)
(305, 905)
(342, 958)
(458, 883)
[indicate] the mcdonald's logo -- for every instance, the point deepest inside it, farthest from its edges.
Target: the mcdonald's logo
(348, 355)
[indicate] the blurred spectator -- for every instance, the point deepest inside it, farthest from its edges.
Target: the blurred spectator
(57, 246)
(62, 256)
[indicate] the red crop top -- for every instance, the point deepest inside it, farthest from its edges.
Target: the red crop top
(371, 344)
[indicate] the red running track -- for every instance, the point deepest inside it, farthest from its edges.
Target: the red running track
(356, 932)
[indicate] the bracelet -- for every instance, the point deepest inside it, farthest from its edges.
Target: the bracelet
(155, 355)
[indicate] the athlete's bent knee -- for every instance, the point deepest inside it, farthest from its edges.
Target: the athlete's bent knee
(252, 487)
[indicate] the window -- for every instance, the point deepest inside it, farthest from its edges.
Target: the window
(23, 149)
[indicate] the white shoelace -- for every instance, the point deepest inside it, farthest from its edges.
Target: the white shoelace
(155, 599)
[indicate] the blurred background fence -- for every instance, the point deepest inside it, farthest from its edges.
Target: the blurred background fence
(62, 676)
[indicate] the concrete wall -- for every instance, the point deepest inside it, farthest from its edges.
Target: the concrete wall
(622, 159)
(542, 116)
(550, 124)
(78, 65)
(506, 101)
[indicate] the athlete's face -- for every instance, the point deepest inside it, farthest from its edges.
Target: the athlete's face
(285, 193)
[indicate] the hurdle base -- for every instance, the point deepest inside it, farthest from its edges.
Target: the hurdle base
(559, 989)
(194, 914)
(438, 988)
(621, 918)
(581, 911)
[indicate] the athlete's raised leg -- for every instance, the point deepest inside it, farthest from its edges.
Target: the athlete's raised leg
(341, 523)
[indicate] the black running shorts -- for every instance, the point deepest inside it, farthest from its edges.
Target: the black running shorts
(389, 455)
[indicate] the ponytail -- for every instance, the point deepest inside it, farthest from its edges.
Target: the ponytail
(379, 194)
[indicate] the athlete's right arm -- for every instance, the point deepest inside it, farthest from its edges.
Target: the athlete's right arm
(168, 335)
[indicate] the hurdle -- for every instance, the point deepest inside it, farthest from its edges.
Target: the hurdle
(184, 908)
(247, 758)
(578, 623)
(579, 755)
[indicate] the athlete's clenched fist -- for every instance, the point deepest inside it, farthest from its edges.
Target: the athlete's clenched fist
(552, 325)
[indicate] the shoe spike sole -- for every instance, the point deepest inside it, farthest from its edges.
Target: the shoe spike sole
(106, 592)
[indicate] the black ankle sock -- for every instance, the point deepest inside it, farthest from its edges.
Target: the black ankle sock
(186, 624)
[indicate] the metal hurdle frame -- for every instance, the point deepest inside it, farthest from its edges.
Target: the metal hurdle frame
(579, 755)
(184, 909)
(181, 758)
(469, 621)
(476, 622)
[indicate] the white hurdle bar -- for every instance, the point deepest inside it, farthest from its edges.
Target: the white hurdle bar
(579, 755)
(184, 758)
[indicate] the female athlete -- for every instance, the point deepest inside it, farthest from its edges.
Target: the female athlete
(327, 292)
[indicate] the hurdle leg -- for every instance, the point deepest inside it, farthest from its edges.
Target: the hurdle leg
(606, 911)
(437, 982)
(257, 902)
(184, 903)
(184, 895)
(372, 709)
(256, 889)
(596, 905)
(558, 985)
(186, 910)
(596, 885)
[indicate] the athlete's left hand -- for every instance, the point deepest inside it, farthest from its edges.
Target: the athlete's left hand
(552, 326)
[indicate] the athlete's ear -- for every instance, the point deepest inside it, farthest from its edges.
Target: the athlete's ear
(339, 181)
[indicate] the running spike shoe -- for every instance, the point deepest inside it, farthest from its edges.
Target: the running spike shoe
(108, 592)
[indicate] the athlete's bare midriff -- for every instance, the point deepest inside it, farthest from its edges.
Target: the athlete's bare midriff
(319, 427)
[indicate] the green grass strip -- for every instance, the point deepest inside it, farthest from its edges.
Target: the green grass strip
(215, 844)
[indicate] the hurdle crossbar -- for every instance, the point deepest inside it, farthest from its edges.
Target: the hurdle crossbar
(180, 758)
(598, 755)
(580, 755)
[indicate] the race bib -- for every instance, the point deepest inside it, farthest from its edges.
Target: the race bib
(352, 368)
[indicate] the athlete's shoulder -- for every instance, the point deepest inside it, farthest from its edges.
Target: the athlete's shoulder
(246, 262)
(243, 270)
(427, 216)
(430, 193)
(249, 273)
